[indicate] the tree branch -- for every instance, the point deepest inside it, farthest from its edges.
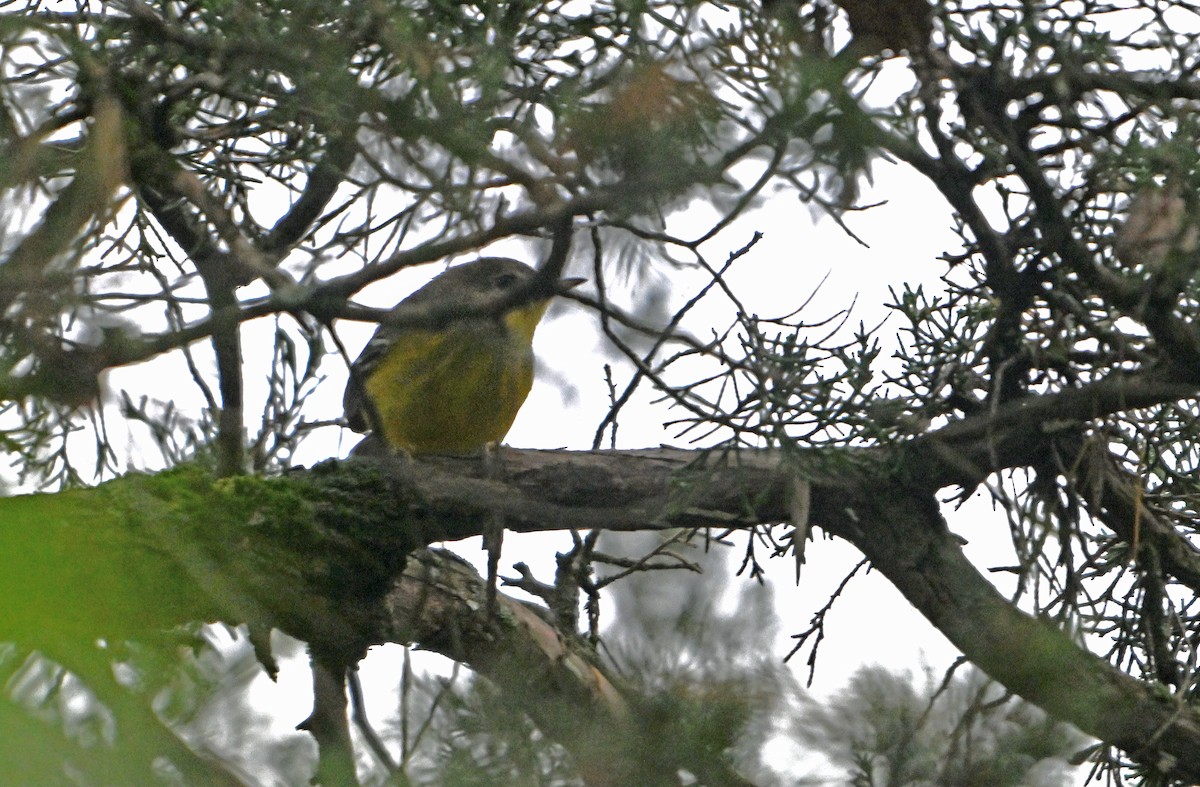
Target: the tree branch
(318, 554)
(1110, 494)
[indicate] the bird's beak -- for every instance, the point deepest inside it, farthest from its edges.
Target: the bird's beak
(568, 284)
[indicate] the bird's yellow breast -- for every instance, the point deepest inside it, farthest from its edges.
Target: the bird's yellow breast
(455, 390)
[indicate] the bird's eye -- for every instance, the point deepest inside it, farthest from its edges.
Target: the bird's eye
(505, 281)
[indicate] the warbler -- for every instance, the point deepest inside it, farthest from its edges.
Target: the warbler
(457, 386)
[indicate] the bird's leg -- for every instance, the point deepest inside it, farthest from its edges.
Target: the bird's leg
(493, 529)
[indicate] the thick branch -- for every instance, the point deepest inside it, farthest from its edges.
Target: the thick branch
(319, 554)
(553, 676)
(1018, 433)
(900, 530)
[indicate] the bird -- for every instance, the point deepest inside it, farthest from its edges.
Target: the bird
(454, 384)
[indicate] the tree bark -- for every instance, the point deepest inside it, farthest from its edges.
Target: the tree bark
(321, 555)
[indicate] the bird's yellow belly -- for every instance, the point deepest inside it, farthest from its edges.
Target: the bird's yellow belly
(450, 393)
